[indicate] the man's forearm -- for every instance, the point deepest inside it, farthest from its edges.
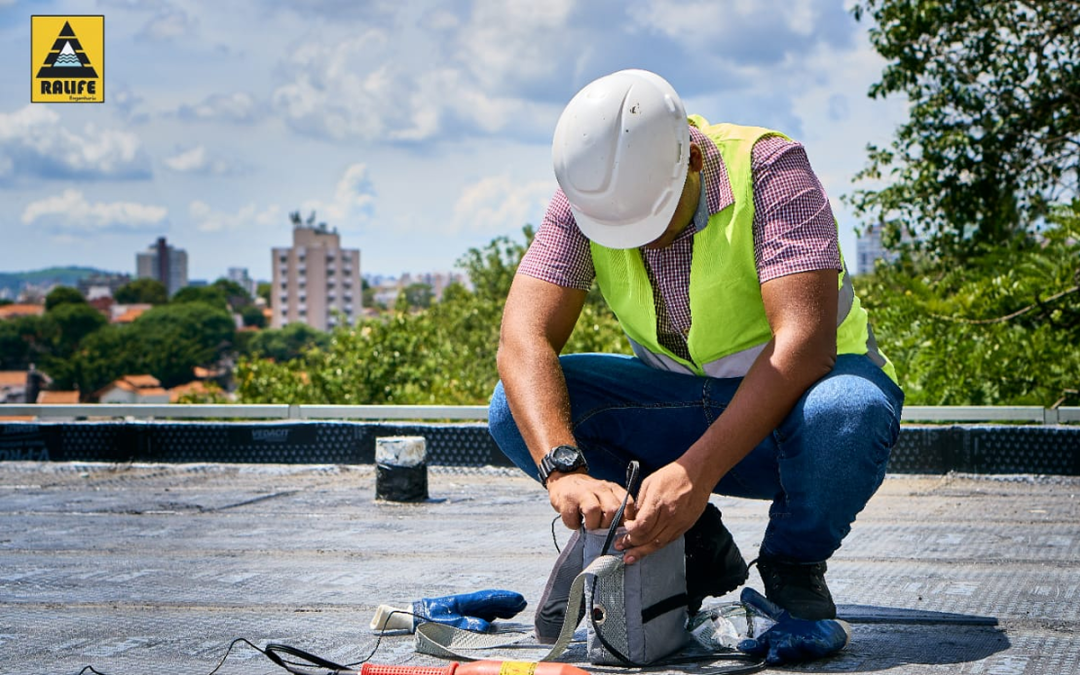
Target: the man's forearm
(537, 395)
(767, 394)
(801, 309)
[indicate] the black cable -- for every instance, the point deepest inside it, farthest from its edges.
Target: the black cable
(229, 651)
(273, 650)
(631, 488)
(555, 539)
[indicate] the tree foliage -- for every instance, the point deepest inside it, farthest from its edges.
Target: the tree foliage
(418, 296)
(264, 290)
(222, 293)
(236, 295)
(210, 295)
(442, 355)
(166, 342)
(993, 139)
(253, 316)
(67, 325)
(142, 291)
(177, 337)
(63, 295)
(286, 343)
(1001, 329)
(22, 342)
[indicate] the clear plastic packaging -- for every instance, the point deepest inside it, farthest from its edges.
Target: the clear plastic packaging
(723, 626)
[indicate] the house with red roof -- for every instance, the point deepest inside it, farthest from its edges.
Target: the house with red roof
(133, 389)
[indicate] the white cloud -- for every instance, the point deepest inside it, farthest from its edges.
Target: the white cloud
(353, 191)
(360, 88)
(189, 160)
(353, 200)
(684, 20)
(249, 217)
(498, 204)
(198, 160)
(510, 41)
(344, 89)
(38, 145)
(169, 24)
(238, 107)
(71, 213)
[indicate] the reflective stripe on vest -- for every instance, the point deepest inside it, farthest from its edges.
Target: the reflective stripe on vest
(738, 364)
(729, 328)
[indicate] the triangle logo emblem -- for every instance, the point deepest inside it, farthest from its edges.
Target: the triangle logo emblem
(67, 58)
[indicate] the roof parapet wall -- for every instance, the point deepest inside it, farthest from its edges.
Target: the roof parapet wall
(920, 449)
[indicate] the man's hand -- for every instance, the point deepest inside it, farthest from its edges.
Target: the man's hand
(668, 505)
(580, 498)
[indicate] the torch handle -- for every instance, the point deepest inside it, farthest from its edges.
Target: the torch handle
(377, 669)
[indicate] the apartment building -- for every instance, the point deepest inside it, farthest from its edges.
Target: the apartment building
(240, 276)
(315, 279)
(869, 249)
(163, 262)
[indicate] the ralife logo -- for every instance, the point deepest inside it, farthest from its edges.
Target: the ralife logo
(67, 54)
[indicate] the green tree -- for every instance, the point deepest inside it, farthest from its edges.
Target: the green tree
(234, 293)
(253, 316)
(264, 290)
(22, 342)
(287, 343)
(1001, 329)
(66, 327)
(491, 269)
(368, 298)
(993, 138)
(175, 338)
(142, 291)
(211, 295)
(442, 355)
(49, 341)
(418, 296)
(105, 355)
(63, 295)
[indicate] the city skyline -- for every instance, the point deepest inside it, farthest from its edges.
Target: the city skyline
(417, 135)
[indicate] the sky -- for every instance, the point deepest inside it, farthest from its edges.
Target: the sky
(417, 129)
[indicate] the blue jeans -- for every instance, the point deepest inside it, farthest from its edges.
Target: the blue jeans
(819, 467)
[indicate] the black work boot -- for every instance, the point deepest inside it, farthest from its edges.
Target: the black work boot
(714, 565)
(797, 587)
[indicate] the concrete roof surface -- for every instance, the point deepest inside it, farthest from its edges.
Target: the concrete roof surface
(156, 568)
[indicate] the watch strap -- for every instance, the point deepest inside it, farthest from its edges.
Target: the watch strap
(548, 464)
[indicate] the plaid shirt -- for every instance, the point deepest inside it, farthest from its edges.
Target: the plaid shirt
(794, 231)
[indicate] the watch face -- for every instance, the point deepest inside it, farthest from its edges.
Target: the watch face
(564, 455)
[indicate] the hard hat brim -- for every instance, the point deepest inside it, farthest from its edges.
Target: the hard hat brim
(634, 234)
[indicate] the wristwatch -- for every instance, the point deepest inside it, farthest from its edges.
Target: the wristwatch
(564, 458)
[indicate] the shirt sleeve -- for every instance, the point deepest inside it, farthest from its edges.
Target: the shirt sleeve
(794, 227)
(559, 252)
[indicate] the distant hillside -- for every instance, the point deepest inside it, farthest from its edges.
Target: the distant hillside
(13, 282)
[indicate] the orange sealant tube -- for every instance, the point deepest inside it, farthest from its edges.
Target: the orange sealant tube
(477, 668)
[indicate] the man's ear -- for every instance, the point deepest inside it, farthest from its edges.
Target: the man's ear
(697, 158)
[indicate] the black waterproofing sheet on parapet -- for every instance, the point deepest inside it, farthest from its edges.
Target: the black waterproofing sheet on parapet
(990, 449)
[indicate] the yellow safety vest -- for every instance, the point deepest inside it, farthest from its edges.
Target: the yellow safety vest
(728, 324)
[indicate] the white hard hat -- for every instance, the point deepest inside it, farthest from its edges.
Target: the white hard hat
(621, 151)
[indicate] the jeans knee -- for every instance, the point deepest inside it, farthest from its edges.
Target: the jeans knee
(500, 421)
(854, 411)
